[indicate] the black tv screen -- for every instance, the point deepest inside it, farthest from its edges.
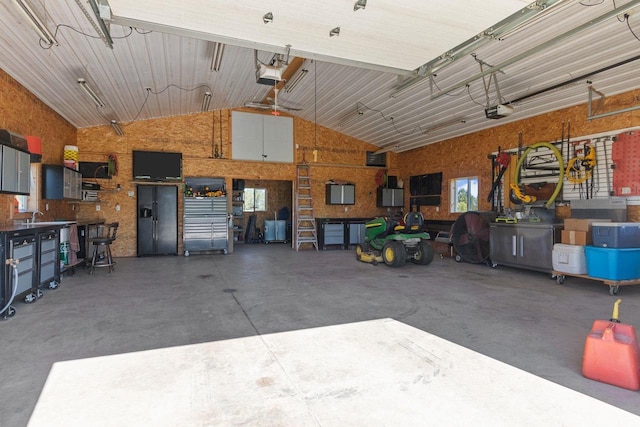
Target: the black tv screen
(157, 166)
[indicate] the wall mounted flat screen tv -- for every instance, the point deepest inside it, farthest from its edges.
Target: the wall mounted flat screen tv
(157, 166)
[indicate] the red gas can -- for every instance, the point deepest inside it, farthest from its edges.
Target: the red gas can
(611, 353)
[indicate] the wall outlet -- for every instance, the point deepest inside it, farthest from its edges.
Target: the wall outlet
(117, 207)
(97, 207)
(46, 206)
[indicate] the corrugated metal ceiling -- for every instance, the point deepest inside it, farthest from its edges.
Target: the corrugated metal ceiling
(176, 68)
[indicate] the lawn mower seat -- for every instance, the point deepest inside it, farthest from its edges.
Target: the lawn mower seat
(413, 223)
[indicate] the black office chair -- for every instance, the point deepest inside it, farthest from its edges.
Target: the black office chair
(103, 258)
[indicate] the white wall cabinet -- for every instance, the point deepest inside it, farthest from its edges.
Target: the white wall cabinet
(261, 137)
(16, 166)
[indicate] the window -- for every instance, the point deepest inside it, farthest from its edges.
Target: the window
(464, 194)
(255, 199)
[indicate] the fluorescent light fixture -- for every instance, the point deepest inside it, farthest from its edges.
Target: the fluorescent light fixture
(216, 56)
(293, 82)
(116, 127)
(360, 4)
(442, 125)
(90, 92)
(206, 101)
(409, 85)
(36, 22)
(351, 117)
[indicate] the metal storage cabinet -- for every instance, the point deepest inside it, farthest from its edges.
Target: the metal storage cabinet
(157, 220)
(331, 233)
(390, 197)
(340, 194)
(24, 250)
(49, 259)
(15, 168)
(524, 245)
(205, 224)
(275, 231)
(59, 182)
(356, 232)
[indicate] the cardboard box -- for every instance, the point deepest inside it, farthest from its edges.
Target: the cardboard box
(572, 237)
(581, 224)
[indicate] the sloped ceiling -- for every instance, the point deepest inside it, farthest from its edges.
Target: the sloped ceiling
(160, 62)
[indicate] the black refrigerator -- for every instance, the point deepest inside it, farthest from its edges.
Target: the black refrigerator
(157, 220)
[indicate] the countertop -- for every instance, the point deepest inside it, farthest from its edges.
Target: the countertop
(9, 228)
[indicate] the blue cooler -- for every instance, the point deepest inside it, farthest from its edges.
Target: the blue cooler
(616, 234)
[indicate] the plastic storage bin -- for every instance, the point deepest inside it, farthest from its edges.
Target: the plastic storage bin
(613, 263)
(616, 234)
(569, 259)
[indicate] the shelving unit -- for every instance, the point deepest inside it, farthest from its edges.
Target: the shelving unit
(237, 210)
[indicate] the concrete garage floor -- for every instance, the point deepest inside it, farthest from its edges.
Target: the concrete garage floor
(229, 310)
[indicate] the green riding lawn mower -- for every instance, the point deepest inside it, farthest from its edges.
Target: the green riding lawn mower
(392, 242)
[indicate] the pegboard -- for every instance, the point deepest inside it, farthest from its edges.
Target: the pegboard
(616, 172)
(626, 160)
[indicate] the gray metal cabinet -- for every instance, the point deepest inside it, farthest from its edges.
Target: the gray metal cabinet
(524, 245)
(205, 224)
(261, 137)
(340, 194)
(49, 259)
(333, 234)
(16, 166)
(23, 249)
(390, 197)
(356, 233)
(59, 182)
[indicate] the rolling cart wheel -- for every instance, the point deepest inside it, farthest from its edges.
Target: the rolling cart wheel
(560, 279)
(30, 298)
(53, 285)
(613, 290)
(186, 253)
(10, 312)
(458, 258)
(39, 293)
(224, 251)
(494, 264)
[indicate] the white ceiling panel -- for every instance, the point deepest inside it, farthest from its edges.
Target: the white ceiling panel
(388, 33)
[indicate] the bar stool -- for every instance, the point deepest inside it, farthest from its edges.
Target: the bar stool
(104, 241)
